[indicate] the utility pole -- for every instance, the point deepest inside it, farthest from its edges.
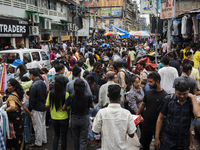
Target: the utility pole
(76, 25)
(156, 34)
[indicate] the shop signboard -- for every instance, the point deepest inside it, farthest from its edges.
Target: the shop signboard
(105, 12)
(116, 11)
(13, 28)
(103, 3)
(167, 9)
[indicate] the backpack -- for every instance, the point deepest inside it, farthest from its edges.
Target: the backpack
(147, 87)
(127, 79)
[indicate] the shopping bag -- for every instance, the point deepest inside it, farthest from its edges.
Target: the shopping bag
(133, 143)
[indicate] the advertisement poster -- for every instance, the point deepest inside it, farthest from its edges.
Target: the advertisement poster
(167, 9)
(103, 3)
(105, 12)
(116, 11)
(145, 7)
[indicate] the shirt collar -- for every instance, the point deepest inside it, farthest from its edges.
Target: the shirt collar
(36, 79)
(114, 105)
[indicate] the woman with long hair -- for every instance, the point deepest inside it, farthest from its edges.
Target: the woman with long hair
(90, 62)
(80, 102)
(13, 109)
(60, 118)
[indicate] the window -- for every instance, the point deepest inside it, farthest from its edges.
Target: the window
(44, 56)
(111, 22)
(36, 54)
(21, 1)
(52, 5)
(9, 57)
(44, 4)
(27, 55)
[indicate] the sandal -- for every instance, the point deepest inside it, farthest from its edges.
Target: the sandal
(34, 145)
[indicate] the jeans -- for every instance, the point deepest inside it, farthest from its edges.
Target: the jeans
(27, 125)
(79, 127)
(146, 137)
(60, 126)
(91, 134)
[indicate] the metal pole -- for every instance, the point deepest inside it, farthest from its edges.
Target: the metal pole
(76, 26)
(156, 34)
(169, 35)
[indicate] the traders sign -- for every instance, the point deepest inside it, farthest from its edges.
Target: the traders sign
(13, 28)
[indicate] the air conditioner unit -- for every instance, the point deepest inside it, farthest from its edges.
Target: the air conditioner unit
(32, 17)
(70, 26)
(37, 19)
(48, 25)
(34, 30)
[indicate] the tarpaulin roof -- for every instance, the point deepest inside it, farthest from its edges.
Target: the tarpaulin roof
(126, 33)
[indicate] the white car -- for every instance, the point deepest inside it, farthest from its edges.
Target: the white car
(11, 55)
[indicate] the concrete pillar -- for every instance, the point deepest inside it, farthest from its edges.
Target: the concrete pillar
(169, 32)
(26, 43)
(13, 42)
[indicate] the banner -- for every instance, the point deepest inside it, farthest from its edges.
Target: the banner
(167, 9)
(105, 12)
(116, 11)
(148, 6)
(85, 30)
(103, 3)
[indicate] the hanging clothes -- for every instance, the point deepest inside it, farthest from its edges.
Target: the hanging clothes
(176, 28)
(189, 25)
(183, 27)
(195, 24)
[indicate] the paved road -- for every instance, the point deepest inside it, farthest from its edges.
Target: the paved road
(50, 136)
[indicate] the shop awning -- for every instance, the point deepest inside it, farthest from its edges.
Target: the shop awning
(34, 12)
(58, 24)
(45, 18)
(66, 21)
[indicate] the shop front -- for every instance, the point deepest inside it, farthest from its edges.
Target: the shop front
(13, 32)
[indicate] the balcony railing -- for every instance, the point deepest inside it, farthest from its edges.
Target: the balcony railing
(21, 5)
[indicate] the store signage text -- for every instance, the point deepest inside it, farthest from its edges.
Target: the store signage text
(12, 28)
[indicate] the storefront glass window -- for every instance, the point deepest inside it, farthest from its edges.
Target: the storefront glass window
(44, 56)
(27, 55)
(36, 54)
(9, 57)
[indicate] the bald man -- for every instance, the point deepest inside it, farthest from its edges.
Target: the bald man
(103, 98)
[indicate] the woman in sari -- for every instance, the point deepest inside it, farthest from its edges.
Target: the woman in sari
(15, 115)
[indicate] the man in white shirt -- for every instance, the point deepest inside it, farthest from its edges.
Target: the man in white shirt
(114, 122)
(64, 46)
(80, 65)
(168, 74)
(45, 48)
(52, 71)
(35, 63)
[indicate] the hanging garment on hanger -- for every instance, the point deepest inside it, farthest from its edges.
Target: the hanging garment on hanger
(183, 27)
(189, 25)
(5, 115)
(195, 24)
(176, 28)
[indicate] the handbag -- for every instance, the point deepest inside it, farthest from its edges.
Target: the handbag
(12, 131)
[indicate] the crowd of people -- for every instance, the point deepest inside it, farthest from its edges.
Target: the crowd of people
(91, 89)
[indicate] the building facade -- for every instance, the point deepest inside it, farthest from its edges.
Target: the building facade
(31, 21)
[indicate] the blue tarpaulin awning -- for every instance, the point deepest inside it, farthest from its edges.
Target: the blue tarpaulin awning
(126, 33)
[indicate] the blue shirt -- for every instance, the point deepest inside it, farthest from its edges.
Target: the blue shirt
(9, 76)
(82, 50)
(70, 87)
(71, 100)
(98, 78)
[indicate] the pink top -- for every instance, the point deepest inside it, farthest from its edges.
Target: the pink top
(52, 56)
(46, 81)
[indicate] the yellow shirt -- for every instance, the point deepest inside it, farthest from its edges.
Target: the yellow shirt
(184, 53)
(60, 114)
(196, 58)
(97, 56)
